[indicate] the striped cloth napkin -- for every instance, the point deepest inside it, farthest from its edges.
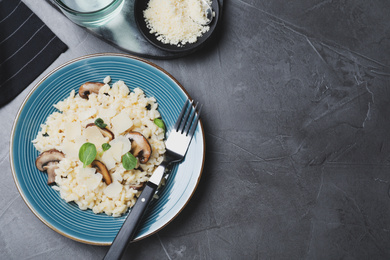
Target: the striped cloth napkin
(27, 48)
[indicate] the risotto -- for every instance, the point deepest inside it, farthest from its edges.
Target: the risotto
(123, 112)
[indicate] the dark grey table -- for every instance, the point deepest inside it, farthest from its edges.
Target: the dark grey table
(297, 120)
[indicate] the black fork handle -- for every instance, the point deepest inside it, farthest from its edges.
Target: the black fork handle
(130, 226)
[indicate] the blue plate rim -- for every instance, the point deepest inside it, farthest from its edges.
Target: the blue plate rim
(17, 117)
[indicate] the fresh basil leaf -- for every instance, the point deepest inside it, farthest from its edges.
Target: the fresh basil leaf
(160, 123)
(100, 123)
(129, 161)
(106, 146)
(87, 153)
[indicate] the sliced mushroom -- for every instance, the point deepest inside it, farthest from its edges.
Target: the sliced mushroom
(105, 132)
(48, 161)
(140, 146)
(50, 169)
(139, 186)
(102, 169)
(88, 88)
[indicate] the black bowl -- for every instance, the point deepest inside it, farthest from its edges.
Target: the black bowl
(141, 5)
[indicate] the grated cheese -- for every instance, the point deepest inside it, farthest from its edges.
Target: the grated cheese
(176, 22)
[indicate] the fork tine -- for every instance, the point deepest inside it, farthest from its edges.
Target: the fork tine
(191, 118)
(196, 121)
(185, 117)
(181, 115)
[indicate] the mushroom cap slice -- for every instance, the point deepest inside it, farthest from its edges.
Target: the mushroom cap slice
(52, 155)
(102, 169)
(138, 186)
(88, 88)
(50, 169)
(105, 132)
(140, 146)
(48, 161)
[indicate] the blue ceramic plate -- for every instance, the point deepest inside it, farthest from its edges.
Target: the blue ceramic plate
(66, 218)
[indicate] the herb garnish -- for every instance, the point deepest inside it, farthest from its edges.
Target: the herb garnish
(106, 146)
(100, 123)
(129, 161)
(160, 123)
(87, 153)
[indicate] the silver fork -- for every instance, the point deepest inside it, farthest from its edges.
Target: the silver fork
(176, 148)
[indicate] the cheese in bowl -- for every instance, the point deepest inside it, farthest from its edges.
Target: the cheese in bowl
(101, 146)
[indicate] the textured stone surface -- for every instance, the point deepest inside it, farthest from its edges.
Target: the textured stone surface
(296, 115)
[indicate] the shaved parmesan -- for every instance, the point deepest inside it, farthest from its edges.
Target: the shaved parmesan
(126, 144)
(107, 112)
(108, 160)
(121, 123)
(93, 135)
(72, 130)
(116, 176)
(116, 151)
(88, 177)
(84, 115)
(119, 146)
(71, 148)
(113, 190)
